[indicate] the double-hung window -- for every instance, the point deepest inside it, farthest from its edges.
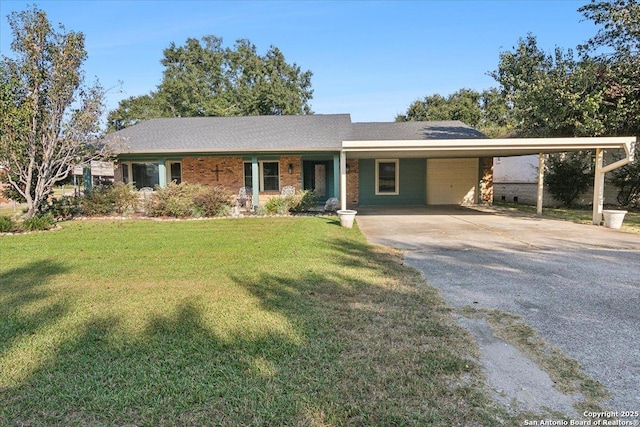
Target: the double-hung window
(387, 177)
(269, 175)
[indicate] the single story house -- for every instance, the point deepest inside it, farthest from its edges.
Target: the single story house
(407, 163)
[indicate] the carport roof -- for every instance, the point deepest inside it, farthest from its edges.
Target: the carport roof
(499, 147)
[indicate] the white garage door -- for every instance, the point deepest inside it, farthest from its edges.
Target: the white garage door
(452, 181)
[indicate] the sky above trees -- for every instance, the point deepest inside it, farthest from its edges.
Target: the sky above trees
(370, 59)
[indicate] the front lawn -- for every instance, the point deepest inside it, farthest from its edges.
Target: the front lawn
(271, 321)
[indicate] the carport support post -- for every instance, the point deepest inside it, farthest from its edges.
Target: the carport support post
(343, 180)
(598, 188)
(540, 184)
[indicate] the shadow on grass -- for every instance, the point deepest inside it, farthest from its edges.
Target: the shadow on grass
(21, 288)
(357, 351)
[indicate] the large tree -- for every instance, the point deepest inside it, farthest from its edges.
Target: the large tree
(486, 111)
(49, 121)
(595, 94)
(203, 78)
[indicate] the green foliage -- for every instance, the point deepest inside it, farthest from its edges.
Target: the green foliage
(7, 224)
(214, 201)
(175, 200)
(302, 201)
(39, 222)
(48, 116)
(569, 176)
(65, 207)
(124, 196)
(203, 78)
(486, 111)
(277, 205)
(98, 201)
(627, 180)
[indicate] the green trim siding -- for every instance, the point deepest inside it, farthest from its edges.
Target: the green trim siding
(412, 184)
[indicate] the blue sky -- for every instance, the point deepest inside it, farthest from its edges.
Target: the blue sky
(370, 59)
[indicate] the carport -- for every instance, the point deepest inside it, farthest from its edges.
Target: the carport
(484, 148)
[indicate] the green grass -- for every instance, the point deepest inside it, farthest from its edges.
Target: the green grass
(272, 321)
(579, 215)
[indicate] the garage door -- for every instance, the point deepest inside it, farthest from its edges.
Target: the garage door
(452, 181)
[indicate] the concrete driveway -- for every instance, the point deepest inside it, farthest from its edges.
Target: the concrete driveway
(577, 285)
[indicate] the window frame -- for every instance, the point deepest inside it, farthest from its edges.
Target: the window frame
(170, 172)
(396, 191)
(261, 175)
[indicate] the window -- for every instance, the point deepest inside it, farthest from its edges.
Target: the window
(175, 172)
(387, 177)
(269, 175)
(248, 174)
(145, 174)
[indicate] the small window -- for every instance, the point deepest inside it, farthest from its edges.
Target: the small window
(387, 177)
(270, 172)
(125, 172)
(175, 170)
(248, 174)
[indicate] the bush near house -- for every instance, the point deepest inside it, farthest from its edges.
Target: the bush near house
(302, 201)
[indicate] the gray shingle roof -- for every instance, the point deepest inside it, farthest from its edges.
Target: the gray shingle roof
(317, 132)
(247, 133)
(413, 131)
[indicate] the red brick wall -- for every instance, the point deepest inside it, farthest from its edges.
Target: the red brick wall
(353, 188)
(486, 165)
(231, 171)
(295, 178)
(203, 170)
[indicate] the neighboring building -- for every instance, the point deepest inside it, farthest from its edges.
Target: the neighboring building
(515, 180)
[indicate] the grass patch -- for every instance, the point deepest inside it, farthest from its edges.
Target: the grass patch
(273, 321)
(566, 373)
(578, 215)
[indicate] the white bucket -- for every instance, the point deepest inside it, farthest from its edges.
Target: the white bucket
(613, 219)
(346, 217)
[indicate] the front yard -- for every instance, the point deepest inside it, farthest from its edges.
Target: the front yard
(272, 321)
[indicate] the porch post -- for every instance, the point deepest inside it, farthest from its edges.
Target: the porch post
(336, 175)
(255, 181)
(598, 188)
(162, 173)
(343, 180)
(540, 184)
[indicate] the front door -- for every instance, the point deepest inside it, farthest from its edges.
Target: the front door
(318, 176)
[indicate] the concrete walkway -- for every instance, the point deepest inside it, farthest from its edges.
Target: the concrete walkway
(577, 285)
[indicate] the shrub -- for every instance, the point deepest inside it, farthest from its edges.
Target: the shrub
(64, 207)
(277, 205)
(124, 196)
(214, 201)
(175, 200)
(98, 201)
(39, 222)
(303, 201)
(569, 176)
(7, 224)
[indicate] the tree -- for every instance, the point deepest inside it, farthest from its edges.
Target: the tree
(49, 121)
(569, 176)
(486, 111)
(202, 78)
